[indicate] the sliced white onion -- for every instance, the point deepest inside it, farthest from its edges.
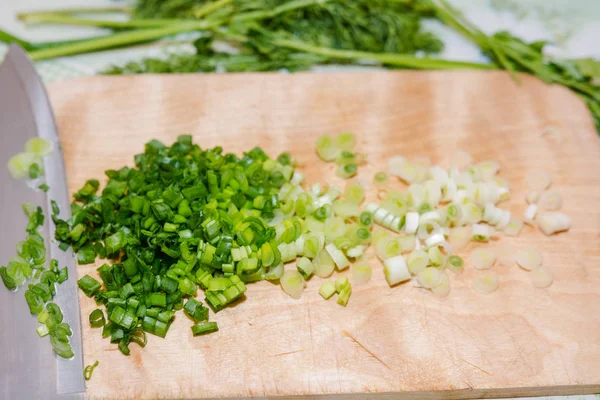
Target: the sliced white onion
(430, 216)
(361, 272)
(482, 259)
(430, 277)
(435, 239)
(541, 277)
(417, 194)
(553, 223)
(551, 201)
(486, 283)
(411, 223)
(513, 228)
(449, 191)
(464, 180)
(340, 260)
(481, 232)
(529, 258)
(538, 180)
(324, 264)
(443, 288)
(427, 229)
(356, 251)
(395, 270)
(292, 283)
(406, 243)
(529, 215)
(371, 207)
(532, 197)
(403, 169)
(461, 160)
(417, 261)
(459, 237)
(471, 214)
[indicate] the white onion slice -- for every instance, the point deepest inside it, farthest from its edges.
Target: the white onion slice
(417, 194)
(292, 283)
(530, 213)
(551, 201)
(430, 277)
(443, 288)
(395, 270)
(513, 228)
(486, 283)
(553, 223)
(482, 258)
(460, 237)
(411, 223)
(417, 261)
(538, 180)
(541, 277)
(529, 258)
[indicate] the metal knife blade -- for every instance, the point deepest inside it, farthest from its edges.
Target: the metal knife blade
(25, 112)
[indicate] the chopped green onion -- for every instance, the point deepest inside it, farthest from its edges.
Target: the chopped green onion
(39, 147)
(324, 264)
(89, 285)
(340, 260)
(361, 272)
(204, 328)
(354, 192)
(327, 149)
(344, 294)
(327, 290)
(347, 170)
(340, 283)
(305, 267)
(345, 141)
(292, 283)
(89, 370)
(97, 319)
(395, 270)
(19, 165)
(417, 261)
(455, 264)
(380, 179)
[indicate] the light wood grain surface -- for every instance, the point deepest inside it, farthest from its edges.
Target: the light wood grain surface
(389, 341)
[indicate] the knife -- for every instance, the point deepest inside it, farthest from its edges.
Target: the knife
(29, 369)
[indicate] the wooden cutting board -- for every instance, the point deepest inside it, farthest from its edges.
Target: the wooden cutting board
(396, 342)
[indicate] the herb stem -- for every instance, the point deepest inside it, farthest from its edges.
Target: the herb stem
(72, 11)
(399, 60)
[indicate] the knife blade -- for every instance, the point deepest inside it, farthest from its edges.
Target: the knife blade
(32, 370)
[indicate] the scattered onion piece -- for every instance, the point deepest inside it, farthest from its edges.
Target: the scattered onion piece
(538, 180)
(530, 213)
(529, 258)
(39, 147)
(292, 283)
(541, 277)
(486, 283)
(324, 264)
(455, 264)
(361, 272)
(417, 261)
(513, 228)
(443, 288)
(553, 223)
(395, 270)
(459, 237)
(482, 258)
(487, 170)
(430, 277)
(551, 201)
